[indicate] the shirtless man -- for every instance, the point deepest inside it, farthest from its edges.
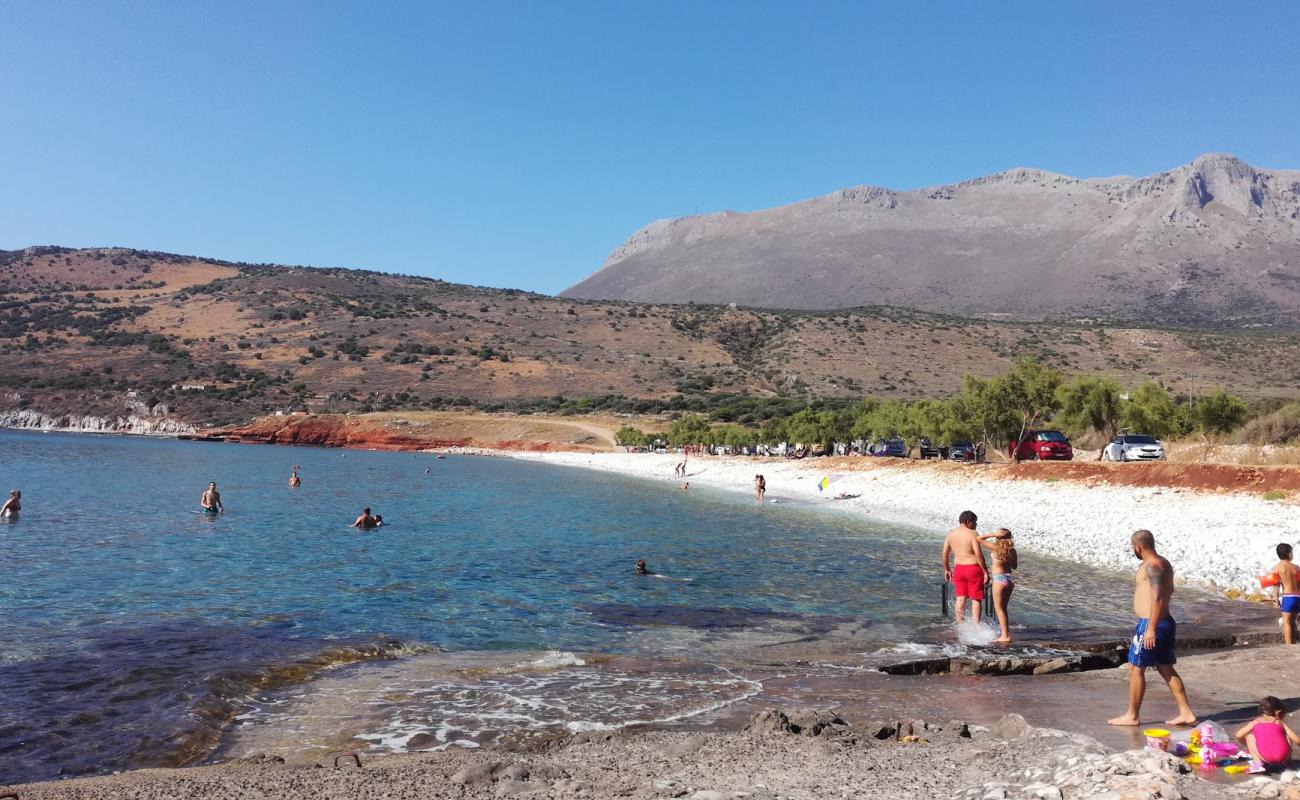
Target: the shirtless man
(294, 480)
(969, 572)
(13, 505)
(1285, 595)
(1154, 637)
(365, 522)
(210, 502)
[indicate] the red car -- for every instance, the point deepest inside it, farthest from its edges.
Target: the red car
(1041, 446)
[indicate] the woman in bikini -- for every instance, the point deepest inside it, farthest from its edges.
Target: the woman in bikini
(1005, 559)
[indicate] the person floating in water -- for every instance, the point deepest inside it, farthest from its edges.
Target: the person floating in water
(641, 568)
(426, 470)
(13, 505)
(210, 502)
(379, 521)
(294, 480)
(1155, 635)
(760, 487)
(1286, 592)
(365, 522)
(686, 487)
(968, 572)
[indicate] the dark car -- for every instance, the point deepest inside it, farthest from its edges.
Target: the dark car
(963, 451)
(928, 449)
(1041, 446)
(894, 448)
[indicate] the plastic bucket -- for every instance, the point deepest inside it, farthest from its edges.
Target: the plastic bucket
(1157, 739)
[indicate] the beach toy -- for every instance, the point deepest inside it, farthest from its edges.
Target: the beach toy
(1182, 749)
(1266, 581)
(1235, 769)
(1157, 739)
(1224, 750)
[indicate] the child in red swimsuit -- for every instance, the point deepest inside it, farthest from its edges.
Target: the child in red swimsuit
(1267, 737)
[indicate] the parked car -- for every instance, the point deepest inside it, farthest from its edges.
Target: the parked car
(1133, 447)
(963, 451)
(928, 449)
(894, 448)
(1041, 446)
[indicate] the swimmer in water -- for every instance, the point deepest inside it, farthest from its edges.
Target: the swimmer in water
(365, 522)
(13, 505)
(641, 568)
(210, 502)
(686, 487)
(426, 470)
(379, 521)
(294, 480)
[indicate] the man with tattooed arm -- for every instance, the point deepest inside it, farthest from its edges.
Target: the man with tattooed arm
(1154, 637)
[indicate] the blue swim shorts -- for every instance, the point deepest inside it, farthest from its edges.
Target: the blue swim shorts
(1160, 655)
(1289, 603)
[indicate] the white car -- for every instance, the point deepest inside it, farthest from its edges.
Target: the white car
(1133, 447)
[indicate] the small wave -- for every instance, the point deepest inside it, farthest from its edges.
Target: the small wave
(555, 659)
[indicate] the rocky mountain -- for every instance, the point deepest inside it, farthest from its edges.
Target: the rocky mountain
(1215, 242)
(125, 340)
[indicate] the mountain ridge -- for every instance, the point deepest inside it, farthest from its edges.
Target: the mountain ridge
(1214, 239)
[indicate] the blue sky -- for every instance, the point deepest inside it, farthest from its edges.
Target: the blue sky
(517, 143)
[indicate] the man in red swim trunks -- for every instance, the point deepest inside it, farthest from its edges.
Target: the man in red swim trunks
(969, 572)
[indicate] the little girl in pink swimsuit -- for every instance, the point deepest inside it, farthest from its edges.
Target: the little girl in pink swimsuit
(1267, 737)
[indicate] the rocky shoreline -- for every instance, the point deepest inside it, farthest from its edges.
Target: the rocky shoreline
(800, 755)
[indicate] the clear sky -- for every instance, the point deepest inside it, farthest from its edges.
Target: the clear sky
(517, 143)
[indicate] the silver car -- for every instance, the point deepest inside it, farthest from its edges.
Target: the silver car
(1133, 447)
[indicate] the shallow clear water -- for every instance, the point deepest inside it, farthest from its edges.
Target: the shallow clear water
(134, 627)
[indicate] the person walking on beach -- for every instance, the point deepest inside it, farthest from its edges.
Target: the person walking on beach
(210, 502)
(1005, 560)
(1155, 635)
(1285, 594)
(12, 506)
(968, 572)
(760, 487)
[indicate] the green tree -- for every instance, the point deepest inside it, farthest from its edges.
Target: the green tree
(690, 429)
(1090, 403)
(627, 436)
(1028, 392)
(981, 412)
(1218, 412)
(812, 427)
(1150, 410)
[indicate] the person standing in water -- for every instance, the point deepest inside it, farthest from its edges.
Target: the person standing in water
(210, 502)
(1155, 636)
(13, 505)
(1005, 559)
(365, 522)
(294, 480)
(641, 568)
(968, 572)
(760, 487)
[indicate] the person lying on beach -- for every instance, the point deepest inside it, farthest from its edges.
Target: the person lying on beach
(1285, 592)
(641, 568)
(968, 572)
(1267, 737)
(210, 502)
(365, 522)
(13, 505)
(294, 480)
(1005, 559)
(1155, 635)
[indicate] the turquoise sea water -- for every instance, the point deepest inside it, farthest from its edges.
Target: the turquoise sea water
(136, 629)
